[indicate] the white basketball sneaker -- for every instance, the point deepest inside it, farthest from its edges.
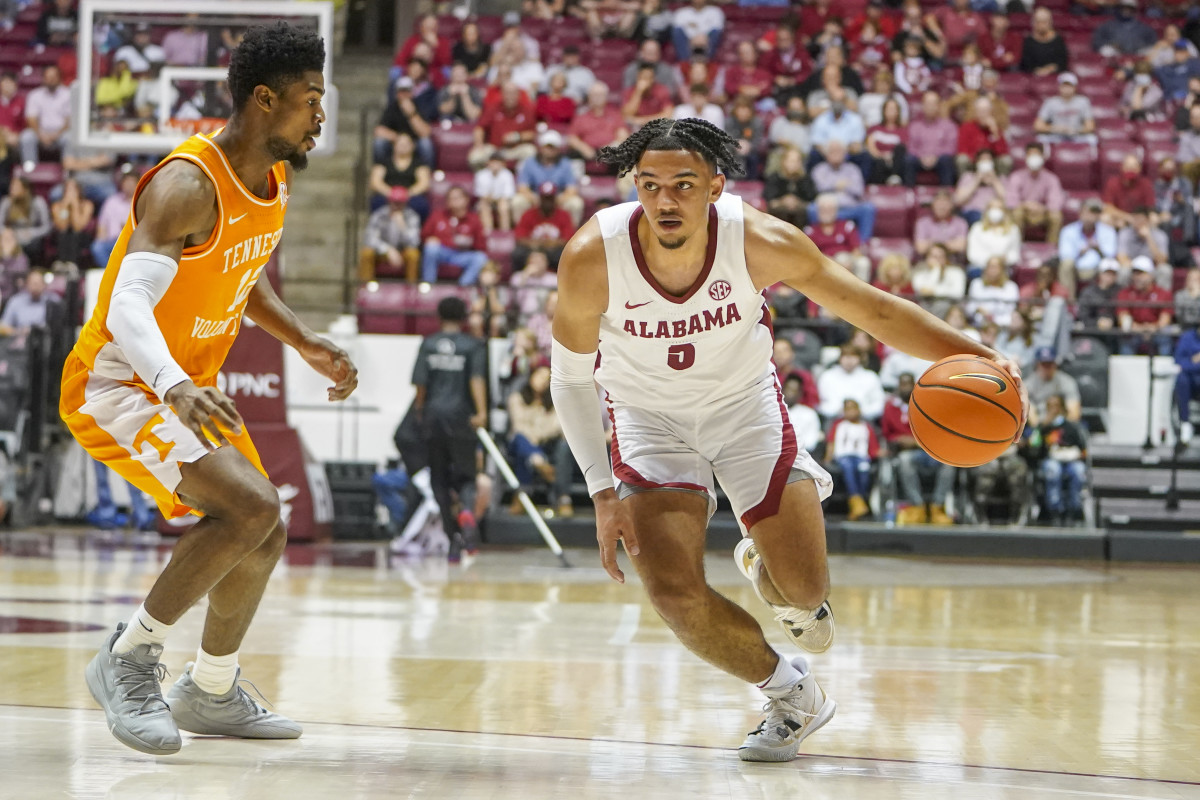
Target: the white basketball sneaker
(810, 630)
(791, 715)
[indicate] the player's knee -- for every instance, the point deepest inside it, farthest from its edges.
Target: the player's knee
(803, 588)
(677, 603)
(272, 547)
(258, 511)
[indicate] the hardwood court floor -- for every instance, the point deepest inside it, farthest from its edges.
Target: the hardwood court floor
(512, 678)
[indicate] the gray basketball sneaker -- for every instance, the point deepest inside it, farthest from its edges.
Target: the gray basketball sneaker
(234, 713)
(128, 688)
(810, 630)
(791, 715)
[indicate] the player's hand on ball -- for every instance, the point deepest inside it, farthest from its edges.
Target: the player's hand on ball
(333, 362)
(613, 523)
(1014, 370)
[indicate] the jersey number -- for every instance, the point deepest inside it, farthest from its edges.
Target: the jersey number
(681, 356)
(243, 290)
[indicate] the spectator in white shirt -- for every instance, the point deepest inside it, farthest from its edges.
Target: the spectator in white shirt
(994, 235)
(936, 279)
(47, 116)
(142, 53)
(697, 25)
(849, 380)
(993, 295)
(698, 106)
(495, 187)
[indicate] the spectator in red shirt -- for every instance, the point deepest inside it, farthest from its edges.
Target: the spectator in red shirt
(1126, 192)
(555, 107)
(454, 235)
(784, 357)
(746, 78)
(894, 275)
(787, 62)
(647, 99)
(12, 110)
(426, 32)
(888, 145)
(897, 434)
(878, 15)
(838, 238)
(958, 24)
(1034, 296)
(596, 125)
(1144, 312)
(544, 228)
(508, 128)
(1000, 47)
(982, 132)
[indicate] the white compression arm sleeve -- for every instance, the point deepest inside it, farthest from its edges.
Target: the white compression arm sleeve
(574, 393)
(141, 282)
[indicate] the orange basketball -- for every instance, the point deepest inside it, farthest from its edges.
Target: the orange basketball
(965, 411)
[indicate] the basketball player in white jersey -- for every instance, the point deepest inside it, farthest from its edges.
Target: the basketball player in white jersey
(660, 302)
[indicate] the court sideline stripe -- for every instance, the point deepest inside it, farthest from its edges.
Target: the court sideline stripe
(714, 748)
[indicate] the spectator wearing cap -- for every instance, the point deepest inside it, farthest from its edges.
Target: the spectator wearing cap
(1046, 381)
(1188, 154)
(932, 142)
(650, 54)
(1035, 195)
(982, 131)
(141, 54)
(458, 100)
(394, 235)
(1144, 311)
(941, 226)
(579, 78)
(843, 180)
(507, 128)
(549, 165)
(699, 107)
(495, 187)
(1125, 34)
(403, 116)
(404, 168)
(1067, 116)
(1098, 300)
(454, 236)
(1084, 244)
(698, 24)
(1141, 238)
(1174, 76)
(426, 33)
(596, 125)
(838, 238)
(1127, 191)
(647, 99)
(545, 227)
(1044, 51)
(47, 117)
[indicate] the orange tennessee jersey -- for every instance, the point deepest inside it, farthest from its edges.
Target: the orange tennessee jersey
(201, 312)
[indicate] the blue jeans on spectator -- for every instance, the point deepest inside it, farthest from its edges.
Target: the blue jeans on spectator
(971, 216)
(101, 250)
(863, 215)
(944, 169)
(521, 450)
(390, 487)
(1187, 388)
(106, 516)
(683, 45)
(856, 471)
(471, 262)
(911, 465)
(1134, 343)
(1053, 473)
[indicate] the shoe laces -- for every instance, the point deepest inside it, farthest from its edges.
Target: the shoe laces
(780, 710)
(247, 701)
(144, 682)
(800, 618)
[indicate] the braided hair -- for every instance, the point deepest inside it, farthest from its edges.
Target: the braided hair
(718, 149)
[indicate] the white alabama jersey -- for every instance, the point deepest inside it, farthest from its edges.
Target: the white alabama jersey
(661, 352)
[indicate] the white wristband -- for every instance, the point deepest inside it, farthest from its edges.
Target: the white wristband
(574, 391)
(142, 280)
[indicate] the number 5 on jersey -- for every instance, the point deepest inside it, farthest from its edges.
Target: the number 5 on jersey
(681, 356)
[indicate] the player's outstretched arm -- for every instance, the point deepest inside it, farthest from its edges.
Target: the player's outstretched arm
(176, 207)
(779, 252)
(582, 299)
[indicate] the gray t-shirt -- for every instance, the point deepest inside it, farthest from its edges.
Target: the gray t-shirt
(1070, 115)
(445, 365)
(1041, 390)
(1130, 245)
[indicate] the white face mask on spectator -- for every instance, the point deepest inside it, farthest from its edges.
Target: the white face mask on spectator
(995, 216)
(984, 167)
(1035, 162)
(1142, 80)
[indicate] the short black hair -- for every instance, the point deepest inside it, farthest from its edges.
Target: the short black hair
(452, 309)
(718, 149)
(273, 56)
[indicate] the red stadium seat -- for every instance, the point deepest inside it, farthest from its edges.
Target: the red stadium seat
(1075, 165)
(439, 187)
(924, 195)
(877, 248)
(1113, 128)
(750, 191)
(44, 176)
(1155, 133)
(490, 28)
(1155, 153)
(598, 187)
(1073, 204)
(611, 75)
(452, 142)
(449, 26)
(894, 210)
(499, 249)
(1034, 254)
(398, 307)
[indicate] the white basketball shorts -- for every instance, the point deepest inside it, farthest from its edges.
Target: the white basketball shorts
(745, 441)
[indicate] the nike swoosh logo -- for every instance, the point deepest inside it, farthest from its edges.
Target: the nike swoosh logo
(148, 629)
(639, 305)
(1000, 383)
(235, 220)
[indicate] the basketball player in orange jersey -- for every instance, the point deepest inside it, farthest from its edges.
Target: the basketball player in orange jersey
(139, 389)
(660, 302)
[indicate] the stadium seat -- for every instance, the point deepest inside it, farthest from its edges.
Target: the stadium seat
(44, 176)
(923, 196)
(1034, 254)
(398, 307)
(1075, 165)
(598, 187)
(1073, 204)
(894, 210)
(452, 142)
(878, 247)
(750, 191)
(499, 249)
(438, 187)
(490, 28)
(1152, 133)
(1155, 153)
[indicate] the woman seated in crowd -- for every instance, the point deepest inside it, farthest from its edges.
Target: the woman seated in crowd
(405, 168)
(894, 275)
(535, 440)
(789, 189)
(27, 215)
(938, 282)
(994, 235)
(993, 296)
(73, 216)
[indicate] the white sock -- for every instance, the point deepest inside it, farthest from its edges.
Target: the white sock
(215, 674)
(142, 629)
(784, 676)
